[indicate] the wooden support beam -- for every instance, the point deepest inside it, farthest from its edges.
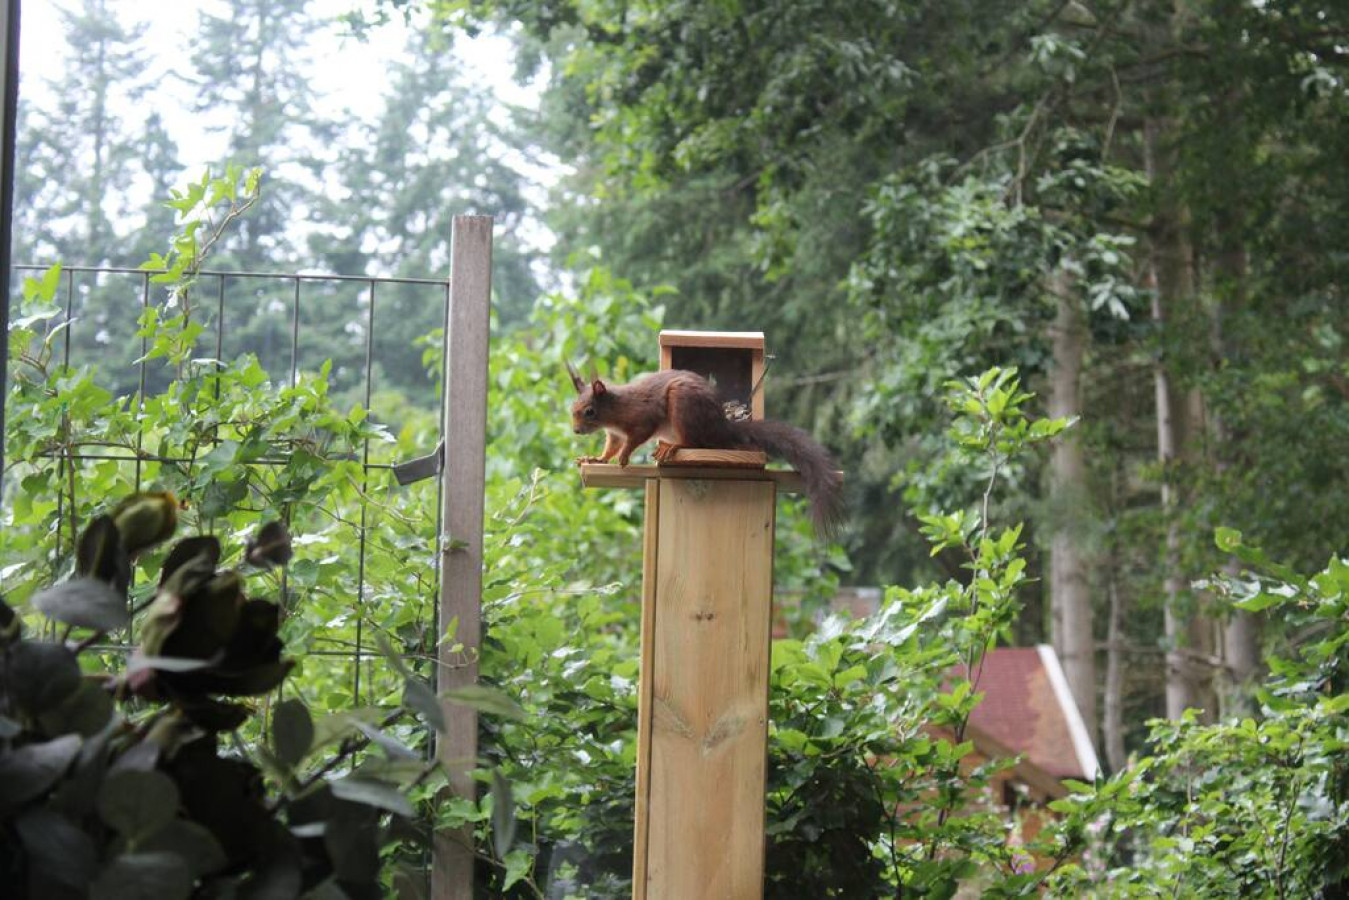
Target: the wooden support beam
(609, 475)
(703, 705)
(727, 339)
(735, 459)
(464, 432)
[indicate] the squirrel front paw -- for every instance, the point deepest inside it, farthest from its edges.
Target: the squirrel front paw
(582, 460)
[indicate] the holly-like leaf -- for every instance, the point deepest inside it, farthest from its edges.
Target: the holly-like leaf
(143, 876)
(370, 792)
(292, 732)
(270, 547)
(137, 804)
(203, 551)
(41, 676)
(58, 847)
(503, 815)
(85, 603)
(418, 696)
(100, 555)
(395, 748)
(485, 699)
(31, 770)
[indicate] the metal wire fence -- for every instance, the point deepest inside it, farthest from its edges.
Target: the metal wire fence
(372, 555)
(293, 323)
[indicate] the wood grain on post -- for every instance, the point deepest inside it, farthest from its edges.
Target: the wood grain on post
(704, 690)
(641, 809)
(465, 436)
(609, 475)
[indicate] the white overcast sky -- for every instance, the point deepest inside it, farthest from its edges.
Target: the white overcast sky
(350, 75)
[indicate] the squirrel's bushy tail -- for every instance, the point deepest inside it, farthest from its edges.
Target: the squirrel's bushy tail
(824, 486)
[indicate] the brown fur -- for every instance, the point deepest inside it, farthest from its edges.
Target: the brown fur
(683, 409)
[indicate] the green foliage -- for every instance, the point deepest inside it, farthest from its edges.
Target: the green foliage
(243, 453)
(1249, 807)
(121, 785)
(867, 722)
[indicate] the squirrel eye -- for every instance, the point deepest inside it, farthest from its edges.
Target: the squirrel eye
(590, 412)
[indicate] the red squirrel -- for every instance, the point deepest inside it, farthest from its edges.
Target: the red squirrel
(681, 409)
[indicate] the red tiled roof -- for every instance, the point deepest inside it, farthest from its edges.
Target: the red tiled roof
(1022, 709)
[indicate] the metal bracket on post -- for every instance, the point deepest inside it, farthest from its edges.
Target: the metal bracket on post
(463, 467)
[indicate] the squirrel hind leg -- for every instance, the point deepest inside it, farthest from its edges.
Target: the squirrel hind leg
(665, 450)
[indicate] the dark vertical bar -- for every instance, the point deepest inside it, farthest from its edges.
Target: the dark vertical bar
(428, 857)
(70, 314)
(294, 380)
(140, 393)
(219, 330)
(440, 482)
(10, 73)
(65, 421)
(365, 489)
(295, 336)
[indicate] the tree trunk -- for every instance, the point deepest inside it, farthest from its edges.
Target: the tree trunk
(1241, 632)
(1189, 634)
(1069, 586)
(1112, 719)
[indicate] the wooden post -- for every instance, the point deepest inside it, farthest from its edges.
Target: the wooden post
(464, 432)
(707, 594)
(704, 683)
(702, 712)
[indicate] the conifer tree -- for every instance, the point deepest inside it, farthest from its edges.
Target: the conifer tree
(78, 154)
(248, 62)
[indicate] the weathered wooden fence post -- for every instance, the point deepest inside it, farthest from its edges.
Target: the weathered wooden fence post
(464, 432)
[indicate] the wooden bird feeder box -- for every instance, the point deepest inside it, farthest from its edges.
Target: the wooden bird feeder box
(734, 362)
(707, 590)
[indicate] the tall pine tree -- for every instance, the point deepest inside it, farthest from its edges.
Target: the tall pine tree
(433, 153)
(78, 154)
(248, 63)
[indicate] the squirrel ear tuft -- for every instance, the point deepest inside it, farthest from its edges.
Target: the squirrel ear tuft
(576, 380)
(597, 388)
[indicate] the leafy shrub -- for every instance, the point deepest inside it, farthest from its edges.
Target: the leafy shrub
(123, 785)
(1253, 807)
(866, 790)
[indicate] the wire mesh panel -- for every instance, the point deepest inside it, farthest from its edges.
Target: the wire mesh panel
(289, 396)
(230, 400)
